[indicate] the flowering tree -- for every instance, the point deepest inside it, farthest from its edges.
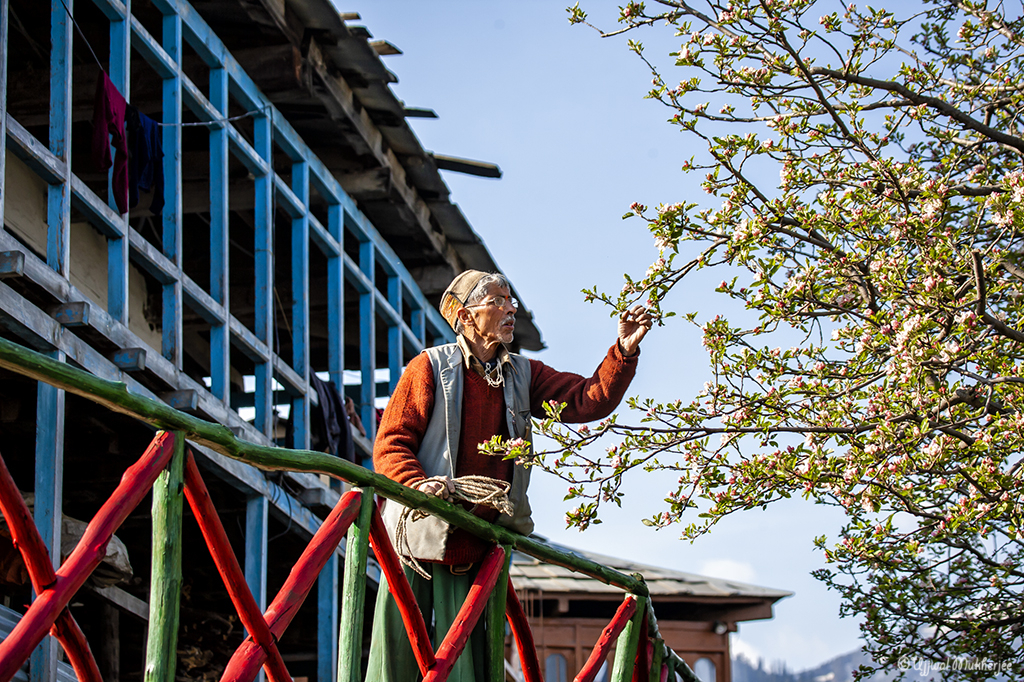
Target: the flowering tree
(867, 174)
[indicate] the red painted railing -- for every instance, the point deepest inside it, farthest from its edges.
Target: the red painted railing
(48, 613)
(250, 656)
(53, 597)
(607, 639)
(56, 588)
(398, 584)
(40, 570)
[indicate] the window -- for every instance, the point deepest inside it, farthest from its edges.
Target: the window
(555, 669)
(705, 670)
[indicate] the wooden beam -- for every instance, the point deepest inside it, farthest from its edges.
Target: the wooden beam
(432, 279)
(117, 246)
(365, 185)
(109, 659)
(130, 359)
(219, 203)
(522, 636)
(249, 612)
(300, 415)
(368, 339)
(604, 644)
(48, 510)
(12, 263)
(384, 48)
(278, 68)
(263, 247)
(416, 112)
(397, 583)
(256, 508)
(74, 314)
(327, 621)
(341, 101)
(467, 166)
(128, 603)
(186, 400)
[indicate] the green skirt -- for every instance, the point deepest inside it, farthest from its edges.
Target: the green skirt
(391, 656)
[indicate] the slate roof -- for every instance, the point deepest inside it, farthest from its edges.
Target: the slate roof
(531, 574)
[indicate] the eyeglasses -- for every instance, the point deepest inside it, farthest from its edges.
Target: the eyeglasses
(497, 302)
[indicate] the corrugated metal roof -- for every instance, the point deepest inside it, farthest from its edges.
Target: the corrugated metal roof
(528, 573)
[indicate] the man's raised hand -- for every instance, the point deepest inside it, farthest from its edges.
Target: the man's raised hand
(633, 326)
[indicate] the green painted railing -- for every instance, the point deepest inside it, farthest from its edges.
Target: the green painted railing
(116, 397)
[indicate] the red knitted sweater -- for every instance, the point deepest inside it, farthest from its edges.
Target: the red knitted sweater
(483, 416)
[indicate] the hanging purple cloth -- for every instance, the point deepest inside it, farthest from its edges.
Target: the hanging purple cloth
(108, 129)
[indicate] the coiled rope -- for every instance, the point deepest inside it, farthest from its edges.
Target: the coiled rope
(489, 492)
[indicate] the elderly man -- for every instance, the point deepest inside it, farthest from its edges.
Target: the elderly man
(450, 399)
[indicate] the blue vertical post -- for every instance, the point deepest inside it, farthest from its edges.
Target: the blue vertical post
(300, 304)
(264, 263)
(3, 108)
(419, 325)
(50, 400)
(172, 244)
(49, 478)
(327, 621)
(117, 247)
(256, 508)
(58, 203)
(220, 286)
(395, 339)
(368, 338)
(336, 299)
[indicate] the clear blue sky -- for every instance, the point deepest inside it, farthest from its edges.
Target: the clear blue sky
(562, 112)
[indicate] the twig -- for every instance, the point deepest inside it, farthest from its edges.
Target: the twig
(979, 303)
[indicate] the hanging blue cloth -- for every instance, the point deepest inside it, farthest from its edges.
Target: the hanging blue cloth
(147, 166)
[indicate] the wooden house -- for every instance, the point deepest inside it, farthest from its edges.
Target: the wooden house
(567, 612)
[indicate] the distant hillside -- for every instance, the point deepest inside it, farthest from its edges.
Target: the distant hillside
(838, 669)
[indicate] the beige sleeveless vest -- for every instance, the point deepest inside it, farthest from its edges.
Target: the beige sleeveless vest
(439, 450)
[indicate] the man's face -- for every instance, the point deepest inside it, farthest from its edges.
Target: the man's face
(494, 323)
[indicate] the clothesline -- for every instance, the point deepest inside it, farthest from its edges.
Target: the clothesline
(87, 43)
(261, 110)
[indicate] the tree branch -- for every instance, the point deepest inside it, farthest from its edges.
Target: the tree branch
(979, 303)
(940, 105)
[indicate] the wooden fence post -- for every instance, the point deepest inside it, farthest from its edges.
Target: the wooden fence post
(523, 636)
(626, 647)
(656, 662)
(353, 593)
(496, 622)
(165, 580)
